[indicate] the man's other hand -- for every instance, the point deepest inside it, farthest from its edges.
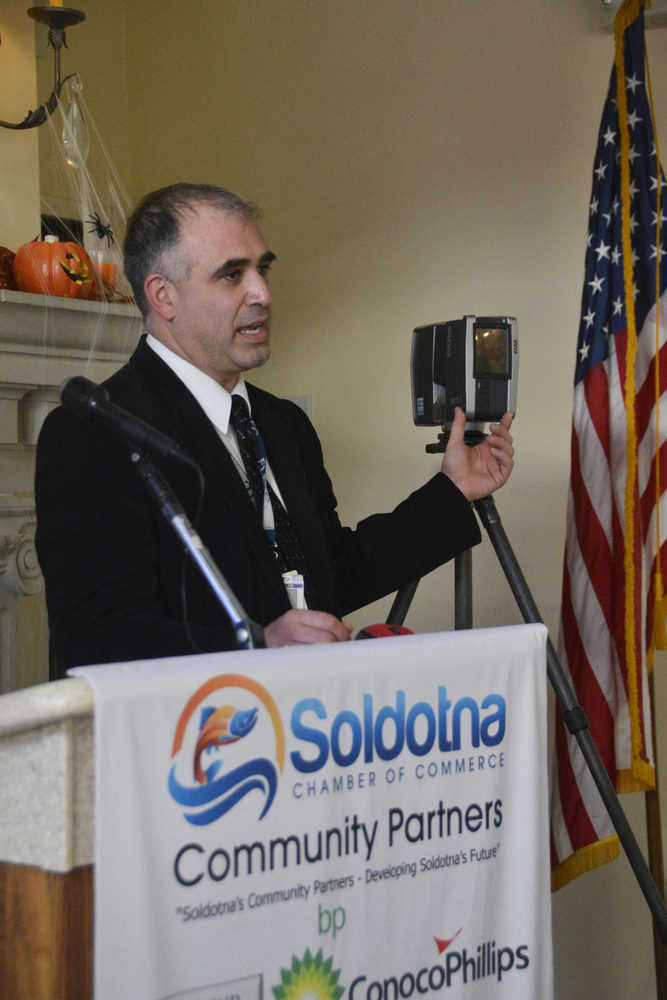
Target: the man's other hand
(297, 627)
(480, 470)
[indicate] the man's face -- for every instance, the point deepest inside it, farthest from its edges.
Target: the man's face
(222, 311)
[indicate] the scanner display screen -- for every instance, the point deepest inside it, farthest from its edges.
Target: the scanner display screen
(491, 352)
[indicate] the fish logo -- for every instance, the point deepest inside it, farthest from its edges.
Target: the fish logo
(206, 729)
(218, 728)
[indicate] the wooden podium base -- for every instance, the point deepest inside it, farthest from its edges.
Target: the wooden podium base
(46, 933)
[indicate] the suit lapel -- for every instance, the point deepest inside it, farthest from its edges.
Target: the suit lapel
(287, 465)
(284, 458)
(226, 497)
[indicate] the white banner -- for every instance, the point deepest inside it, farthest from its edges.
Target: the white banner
(363, 820)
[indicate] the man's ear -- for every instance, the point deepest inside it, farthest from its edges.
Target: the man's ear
(160, 294)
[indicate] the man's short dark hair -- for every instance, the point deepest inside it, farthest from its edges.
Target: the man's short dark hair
(154, 228)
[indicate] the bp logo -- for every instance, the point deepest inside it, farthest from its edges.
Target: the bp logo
(216, 749)
(309, 979)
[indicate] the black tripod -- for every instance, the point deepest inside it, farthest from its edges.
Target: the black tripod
(574, 716)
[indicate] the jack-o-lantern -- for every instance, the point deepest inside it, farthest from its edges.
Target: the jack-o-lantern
(50, 267)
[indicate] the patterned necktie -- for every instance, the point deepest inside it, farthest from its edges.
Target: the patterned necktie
(247, 437)
(287, 542)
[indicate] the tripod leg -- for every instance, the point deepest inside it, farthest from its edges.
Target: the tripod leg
(463, 590)
(574, 716)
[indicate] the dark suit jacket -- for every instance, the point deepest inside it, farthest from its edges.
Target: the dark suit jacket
(113, 566)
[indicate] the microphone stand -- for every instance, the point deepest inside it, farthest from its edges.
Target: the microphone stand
(248, 634)
(573, 714)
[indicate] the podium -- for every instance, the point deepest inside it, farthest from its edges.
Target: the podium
(251, 814)
(46, 841)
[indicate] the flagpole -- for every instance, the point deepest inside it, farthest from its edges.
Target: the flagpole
(652, 796)
(655, 855)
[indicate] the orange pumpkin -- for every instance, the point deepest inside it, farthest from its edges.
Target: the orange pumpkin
(53, 268)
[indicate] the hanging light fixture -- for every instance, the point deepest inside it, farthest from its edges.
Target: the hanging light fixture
(57, 18)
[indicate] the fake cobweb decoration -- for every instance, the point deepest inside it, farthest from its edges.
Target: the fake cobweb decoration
(82, 202)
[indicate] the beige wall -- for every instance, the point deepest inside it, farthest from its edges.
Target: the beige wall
(19, 174)
(414, 162)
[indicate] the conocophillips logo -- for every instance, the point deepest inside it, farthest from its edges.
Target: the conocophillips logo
(313, 978)
(210, 724)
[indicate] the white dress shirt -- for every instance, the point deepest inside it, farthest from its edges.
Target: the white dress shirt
(216, 402)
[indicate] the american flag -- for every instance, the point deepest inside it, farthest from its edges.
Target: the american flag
(612, 602)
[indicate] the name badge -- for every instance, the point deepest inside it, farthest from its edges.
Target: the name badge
(295, 590)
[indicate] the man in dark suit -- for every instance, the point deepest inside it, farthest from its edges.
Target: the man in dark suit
(117, 583)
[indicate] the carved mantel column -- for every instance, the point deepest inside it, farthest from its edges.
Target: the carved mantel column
(19, 575)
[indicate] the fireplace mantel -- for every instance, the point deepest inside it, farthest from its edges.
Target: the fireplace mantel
(44, 340)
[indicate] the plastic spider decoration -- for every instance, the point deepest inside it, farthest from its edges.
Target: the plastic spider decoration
(101, 229)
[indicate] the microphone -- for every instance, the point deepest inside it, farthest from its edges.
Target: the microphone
(90, 401)
(381, 631)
